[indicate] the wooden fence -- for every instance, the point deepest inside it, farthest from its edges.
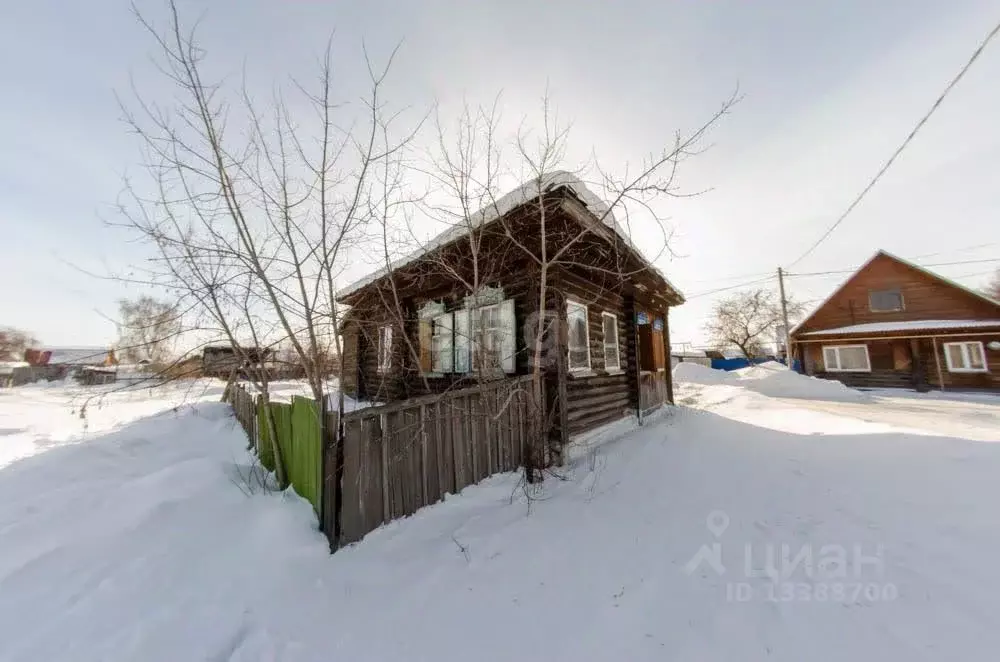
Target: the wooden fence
(298, 433)
(398, 458)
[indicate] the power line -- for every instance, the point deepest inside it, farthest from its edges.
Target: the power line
(734, 277)
(850, 271)
(832, 272)
(955, 250)
(899, 150)
(731, 287)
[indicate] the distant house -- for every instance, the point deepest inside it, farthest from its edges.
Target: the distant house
(89, 366)
(896, 324)
(610, 361)
(77, 356)
(222, 360)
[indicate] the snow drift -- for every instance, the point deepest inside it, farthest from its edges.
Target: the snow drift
(772, 379)
(777, 381)
(694, 373)
(142, 542)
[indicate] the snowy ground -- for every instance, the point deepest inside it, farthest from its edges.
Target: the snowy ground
(136, 540)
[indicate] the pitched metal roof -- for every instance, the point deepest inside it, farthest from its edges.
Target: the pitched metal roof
(923, 270)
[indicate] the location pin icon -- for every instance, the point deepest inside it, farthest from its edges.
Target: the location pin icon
(717, 522)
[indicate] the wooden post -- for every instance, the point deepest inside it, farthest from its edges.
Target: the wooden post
(666, 355)
(784, 316)
(917, 368)
(937, 361)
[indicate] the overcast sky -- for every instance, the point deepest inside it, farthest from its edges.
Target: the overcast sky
(831, 88)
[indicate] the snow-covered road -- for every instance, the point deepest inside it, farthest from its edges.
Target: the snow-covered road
(138, 543)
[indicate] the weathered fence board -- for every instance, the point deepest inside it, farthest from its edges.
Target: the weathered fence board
(395, 459)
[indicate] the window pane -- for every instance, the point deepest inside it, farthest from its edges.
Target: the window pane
(611, 360)
(577, 358)
(955, 358)
(885, 300)
(830, 358)
(976, 359)
(853, 358)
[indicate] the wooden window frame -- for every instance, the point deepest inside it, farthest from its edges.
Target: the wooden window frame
(902, 301)
(837, 348)
(965, 356)
(442, 337)
(479, 334)
(586, 329)
(604, 343)
(384, 348)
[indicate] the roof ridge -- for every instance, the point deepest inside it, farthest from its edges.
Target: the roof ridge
(903, 261)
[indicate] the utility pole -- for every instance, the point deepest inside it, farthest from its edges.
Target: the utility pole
(784, 315)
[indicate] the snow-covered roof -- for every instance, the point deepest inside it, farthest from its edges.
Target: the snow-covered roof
(77, 355)
(524, 193)
(923, 270)
(912, 325)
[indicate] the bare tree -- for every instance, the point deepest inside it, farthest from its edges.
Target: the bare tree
(748, 319)
(470, 168)
(253, 216)
(147, 328)
(13, 342)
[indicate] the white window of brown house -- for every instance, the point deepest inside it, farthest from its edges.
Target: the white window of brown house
(384, 348)
(965, 356)
(612, 360)
(441, 343)
(885, 301)
(846, 358)
(579, 336)
(493, 336)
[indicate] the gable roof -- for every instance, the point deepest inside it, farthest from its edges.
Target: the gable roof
(524, 193)
(917, 267)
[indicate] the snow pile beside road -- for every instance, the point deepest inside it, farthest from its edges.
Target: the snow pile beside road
(772, 379)
(694, 373)
(777, 381)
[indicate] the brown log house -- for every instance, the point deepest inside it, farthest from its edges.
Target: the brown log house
(896, 324)
(467, 307)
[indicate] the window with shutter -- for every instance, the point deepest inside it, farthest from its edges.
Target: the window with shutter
(463, 341)
(493, 340)
(442, 343)
(426, 331)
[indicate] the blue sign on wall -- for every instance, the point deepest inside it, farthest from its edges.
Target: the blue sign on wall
(641, 318)
(658, 324)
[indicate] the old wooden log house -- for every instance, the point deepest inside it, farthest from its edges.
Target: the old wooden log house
(468, 307)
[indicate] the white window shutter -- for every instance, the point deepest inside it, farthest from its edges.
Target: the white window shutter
(446, 344)
(462, 341)
(475, 336)
(509, 335)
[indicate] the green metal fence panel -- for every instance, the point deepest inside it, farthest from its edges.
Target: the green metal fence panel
(264, 449)
(306, 468)
(282, 414)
